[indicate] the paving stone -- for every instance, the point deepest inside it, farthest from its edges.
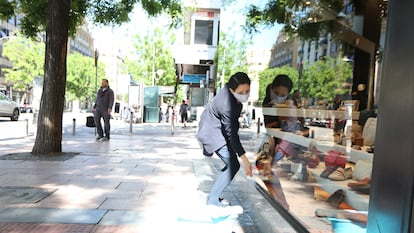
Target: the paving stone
(45, 215)
(22, 195)
(122, 204)
(122, 217)
(118, 228)
(46, 228)
(122, 194)
(131, 186)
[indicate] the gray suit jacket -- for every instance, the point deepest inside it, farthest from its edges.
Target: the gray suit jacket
(104, 99)
(219, 124)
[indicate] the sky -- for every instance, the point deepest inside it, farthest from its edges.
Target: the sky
(120, 37)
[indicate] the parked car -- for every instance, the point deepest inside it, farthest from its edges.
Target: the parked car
(8, 108)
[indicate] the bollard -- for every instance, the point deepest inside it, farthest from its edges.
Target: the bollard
(130, 123)
(258, 125)
(74, 127)
(27, 127)
(172, 124)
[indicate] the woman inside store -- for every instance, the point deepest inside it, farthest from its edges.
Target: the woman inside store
(277, 95)
(218, 133)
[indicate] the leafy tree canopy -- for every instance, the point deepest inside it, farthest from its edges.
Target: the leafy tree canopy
(81, 77)
(152, 57)
(231, 56)
(308, 18)
(324, 79)
(27, 58)
(104, 12)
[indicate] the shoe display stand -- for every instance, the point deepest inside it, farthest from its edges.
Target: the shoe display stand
(359, 202)
(324, 142)
(322, 145)
(311, 113)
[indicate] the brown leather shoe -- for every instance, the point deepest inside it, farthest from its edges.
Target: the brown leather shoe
(362, 189)
(336, 198)
(359, 183)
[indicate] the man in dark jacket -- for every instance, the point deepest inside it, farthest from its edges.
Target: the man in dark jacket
(102, 109)
(218, 132)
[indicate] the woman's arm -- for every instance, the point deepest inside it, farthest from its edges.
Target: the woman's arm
(230, 125)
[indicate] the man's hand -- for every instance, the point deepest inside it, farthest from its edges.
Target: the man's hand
(94, 110)
(109, 111)
(246, 165)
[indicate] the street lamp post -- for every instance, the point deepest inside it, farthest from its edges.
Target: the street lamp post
(96, 68)
(96, 73)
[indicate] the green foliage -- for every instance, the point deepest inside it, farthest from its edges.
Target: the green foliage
(7, 9)
(27, 58)
(81, 77)
(231, 55)
(153, 51)
(266, 77)
(104, 12)
(325, 78)
(296, 15)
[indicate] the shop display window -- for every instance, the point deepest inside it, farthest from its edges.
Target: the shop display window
(317, 162)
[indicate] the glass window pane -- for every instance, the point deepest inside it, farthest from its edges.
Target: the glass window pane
(203, 32)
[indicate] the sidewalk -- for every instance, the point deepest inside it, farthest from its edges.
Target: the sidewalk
(134, 183)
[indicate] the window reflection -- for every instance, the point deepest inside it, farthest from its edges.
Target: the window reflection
(317, 159)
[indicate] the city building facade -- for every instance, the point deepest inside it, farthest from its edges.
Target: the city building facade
(82, 42)
(257, 61)
(194, 52)
(284, 51)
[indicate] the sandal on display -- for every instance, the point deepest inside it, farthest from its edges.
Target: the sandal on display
(362, 189)
(336, 198)
(341, 174)
(313, 160)
(325, 173)
(359, 183)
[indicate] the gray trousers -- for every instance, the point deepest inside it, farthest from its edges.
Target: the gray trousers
(102, 113)
(225, 175)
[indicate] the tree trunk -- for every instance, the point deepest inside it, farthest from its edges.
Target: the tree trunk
(49, 128)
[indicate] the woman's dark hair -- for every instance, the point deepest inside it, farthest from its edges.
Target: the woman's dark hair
(267, 99)
(238, 79)
(282, 80)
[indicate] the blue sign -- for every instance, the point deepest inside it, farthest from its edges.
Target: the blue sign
(193, 78)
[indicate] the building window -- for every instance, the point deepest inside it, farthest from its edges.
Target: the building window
(203, 33)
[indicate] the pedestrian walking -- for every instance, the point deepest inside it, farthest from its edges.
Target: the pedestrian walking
(218, 132)
(183, 113)
(102, 109)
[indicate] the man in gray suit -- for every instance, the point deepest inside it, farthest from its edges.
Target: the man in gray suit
(102, 109)
(218, 133)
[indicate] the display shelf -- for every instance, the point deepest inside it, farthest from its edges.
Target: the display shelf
(312, 113)
(321, 145)
(358, 201)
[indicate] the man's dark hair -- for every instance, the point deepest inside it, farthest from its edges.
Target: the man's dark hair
(106, 80)
(183, 101)
(238, 79)
(282, 80)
